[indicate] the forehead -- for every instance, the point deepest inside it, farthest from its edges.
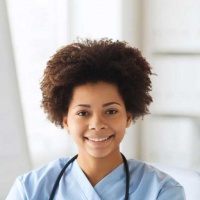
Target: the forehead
(102, 90)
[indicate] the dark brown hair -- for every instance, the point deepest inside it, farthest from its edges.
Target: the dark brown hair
(92, 61)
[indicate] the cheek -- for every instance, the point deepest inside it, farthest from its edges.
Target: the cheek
(120, 127)
(75, 127)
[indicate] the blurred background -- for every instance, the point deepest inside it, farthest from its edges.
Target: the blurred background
(166, 31)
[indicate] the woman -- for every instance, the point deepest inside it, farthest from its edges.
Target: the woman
(94, 90)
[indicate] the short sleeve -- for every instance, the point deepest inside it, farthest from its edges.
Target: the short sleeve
(17, 191)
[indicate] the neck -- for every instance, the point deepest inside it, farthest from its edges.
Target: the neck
(97, 168)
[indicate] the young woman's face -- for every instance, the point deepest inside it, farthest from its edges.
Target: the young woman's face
(97, 119)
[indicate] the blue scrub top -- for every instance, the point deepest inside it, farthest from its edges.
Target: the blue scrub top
(146, 183)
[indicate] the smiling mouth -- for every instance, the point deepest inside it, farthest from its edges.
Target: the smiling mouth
(98, 139)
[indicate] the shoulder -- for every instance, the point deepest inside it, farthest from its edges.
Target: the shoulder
(47, 172)
(144, 170)
(37, 183)
(155, 182)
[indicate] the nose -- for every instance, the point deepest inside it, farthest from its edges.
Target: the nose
(97, 123)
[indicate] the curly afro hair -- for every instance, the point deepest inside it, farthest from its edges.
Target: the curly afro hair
(92, 61)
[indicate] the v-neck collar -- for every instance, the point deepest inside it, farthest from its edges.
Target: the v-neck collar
(111, 181)
(84, 184)
(103, 187)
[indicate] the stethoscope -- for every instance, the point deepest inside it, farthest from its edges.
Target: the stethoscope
(72, 160)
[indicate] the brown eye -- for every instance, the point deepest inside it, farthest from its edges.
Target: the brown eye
(111, 112)
(83, 113)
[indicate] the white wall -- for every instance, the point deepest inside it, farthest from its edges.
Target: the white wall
(14, 153)
(172, 45)
(95, 19)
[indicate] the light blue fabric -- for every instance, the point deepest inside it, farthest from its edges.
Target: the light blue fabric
(146, 183)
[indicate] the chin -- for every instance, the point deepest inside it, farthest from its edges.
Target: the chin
(101, 154)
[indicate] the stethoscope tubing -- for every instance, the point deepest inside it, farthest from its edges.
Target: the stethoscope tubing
(72, 160)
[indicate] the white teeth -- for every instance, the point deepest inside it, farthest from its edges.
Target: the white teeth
(98, 139)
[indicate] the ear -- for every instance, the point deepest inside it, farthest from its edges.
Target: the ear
(129, 119)
(65, 124)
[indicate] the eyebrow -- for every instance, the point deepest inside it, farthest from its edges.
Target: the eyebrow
(110, 103)
(104, 105)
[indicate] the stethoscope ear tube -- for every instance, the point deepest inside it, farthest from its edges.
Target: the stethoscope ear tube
(127, 177)
(59, 177)
(74, 158)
